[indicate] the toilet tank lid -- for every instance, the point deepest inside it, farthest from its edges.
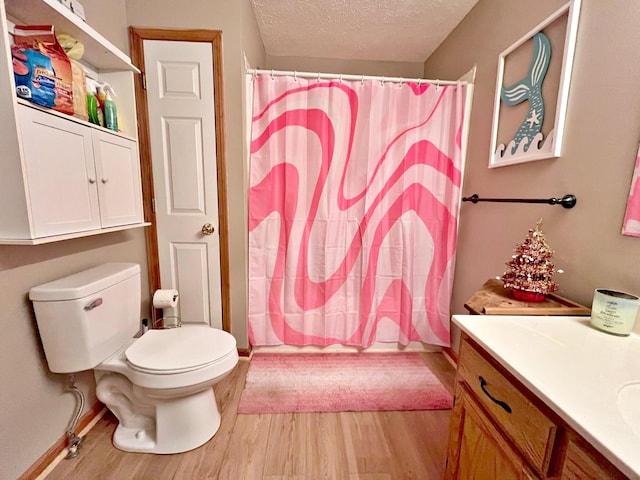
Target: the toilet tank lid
(84, 283)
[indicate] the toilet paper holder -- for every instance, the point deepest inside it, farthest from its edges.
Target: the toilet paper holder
(170, 321)
(162, 300)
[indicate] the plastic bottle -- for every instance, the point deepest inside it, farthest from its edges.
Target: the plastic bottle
(110, 109)
(101, 96)
(93, 105)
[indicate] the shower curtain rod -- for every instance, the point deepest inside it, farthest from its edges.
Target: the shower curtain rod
(337, 76)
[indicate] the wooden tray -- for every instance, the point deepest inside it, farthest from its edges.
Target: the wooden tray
(494, 299)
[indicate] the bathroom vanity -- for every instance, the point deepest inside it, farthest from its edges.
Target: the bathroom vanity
(544, 397)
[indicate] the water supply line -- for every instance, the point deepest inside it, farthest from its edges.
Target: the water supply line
(74, 441)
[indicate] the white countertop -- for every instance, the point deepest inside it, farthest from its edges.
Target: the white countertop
(577, 371)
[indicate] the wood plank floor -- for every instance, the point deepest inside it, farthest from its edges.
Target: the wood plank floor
(347, 445)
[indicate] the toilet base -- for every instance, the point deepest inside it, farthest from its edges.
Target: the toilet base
(182, 424)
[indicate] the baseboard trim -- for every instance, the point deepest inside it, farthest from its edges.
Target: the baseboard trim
(59, 446)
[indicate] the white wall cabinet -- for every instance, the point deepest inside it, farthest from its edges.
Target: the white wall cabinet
(62, 177)
(78, 178)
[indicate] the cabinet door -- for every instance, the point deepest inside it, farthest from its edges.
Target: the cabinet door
(118, 173)
(580, 464)
(530, 430)
(60, 173)
(477, 450)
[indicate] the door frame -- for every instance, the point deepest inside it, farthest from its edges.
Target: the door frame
(214, 37)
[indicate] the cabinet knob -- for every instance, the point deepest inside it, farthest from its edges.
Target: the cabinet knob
(92, 180)
(104, 180)
(207, 229)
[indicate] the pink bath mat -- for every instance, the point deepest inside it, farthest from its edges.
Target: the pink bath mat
(341, 382)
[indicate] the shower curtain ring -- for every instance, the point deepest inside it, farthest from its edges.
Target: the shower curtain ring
(318, 77)
(272, 74)
(295, 76)
(340, 78)
(362, 80)
(382, 81)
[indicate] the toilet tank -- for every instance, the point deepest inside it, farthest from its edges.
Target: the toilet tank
(85, 317)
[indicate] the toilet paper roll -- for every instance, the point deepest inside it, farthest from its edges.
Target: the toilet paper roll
(165, 298)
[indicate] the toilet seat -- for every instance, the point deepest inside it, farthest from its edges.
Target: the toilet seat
(179, 350)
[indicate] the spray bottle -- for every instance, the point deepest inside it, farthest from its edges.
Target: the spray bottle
(94, 111)
(110, 109)
(101, 96)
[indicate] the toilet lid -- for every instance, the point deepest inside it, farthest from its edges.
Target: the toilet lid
(179, 349)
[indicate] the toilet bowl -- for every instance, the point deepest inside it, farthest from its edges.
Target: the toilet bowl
(160, 385)
(170, 405)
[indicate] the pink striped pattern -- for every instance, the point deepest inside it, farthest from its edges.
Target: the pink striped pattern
(341, 382)
(353, 207)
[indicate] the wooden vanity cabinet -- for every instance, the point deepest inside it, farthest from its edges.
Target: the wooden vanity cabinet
(479, 449)
(500, 430)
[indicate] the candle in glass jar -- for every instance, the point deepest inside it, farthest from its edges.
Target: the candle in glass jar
(614, 312)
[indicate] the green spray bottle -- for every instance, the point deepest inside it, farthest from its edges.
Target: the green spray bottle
(110, 109)
(93, 105)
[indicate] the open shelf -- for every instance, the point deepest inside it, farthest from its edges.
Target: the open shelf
(99, 52)
(71, 118)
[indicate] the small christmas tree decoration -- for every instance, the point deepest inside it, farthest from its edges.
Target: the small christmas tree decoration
(530, 270)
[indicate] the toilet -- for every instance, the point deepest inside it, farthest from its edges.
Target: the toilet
(159, 385)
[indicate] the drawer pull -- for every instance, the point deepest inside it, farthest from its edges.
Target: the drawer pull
(505, 405)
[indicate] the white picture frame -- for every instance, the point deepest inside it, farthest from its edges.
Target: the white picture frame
(560, 30)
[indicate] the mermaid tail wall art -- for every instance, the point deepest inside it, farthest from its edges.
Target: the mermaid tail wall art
(530, 88)
(525, 126)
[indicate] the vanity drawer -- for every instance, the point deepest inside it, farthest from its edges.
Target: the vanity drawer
(530, 429)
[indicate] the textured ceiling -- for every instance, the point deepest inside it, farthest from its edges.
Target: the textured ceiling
(381, 30)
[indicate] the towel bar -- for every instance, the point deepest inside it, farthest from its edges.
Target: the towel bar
(568, 201)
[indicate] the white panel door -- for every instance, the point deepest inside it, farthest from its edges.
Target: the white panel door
(183, 150)
(61, 173)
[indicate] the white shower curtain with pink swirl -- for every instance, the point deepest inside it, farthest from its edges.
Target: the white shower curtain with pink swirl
(353, 208)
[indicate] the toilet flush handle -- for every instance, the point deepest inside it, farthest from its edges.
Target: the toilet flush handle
(96, 303)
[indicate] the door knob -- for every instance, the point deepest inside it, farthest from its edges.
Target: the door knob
(207, 229)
